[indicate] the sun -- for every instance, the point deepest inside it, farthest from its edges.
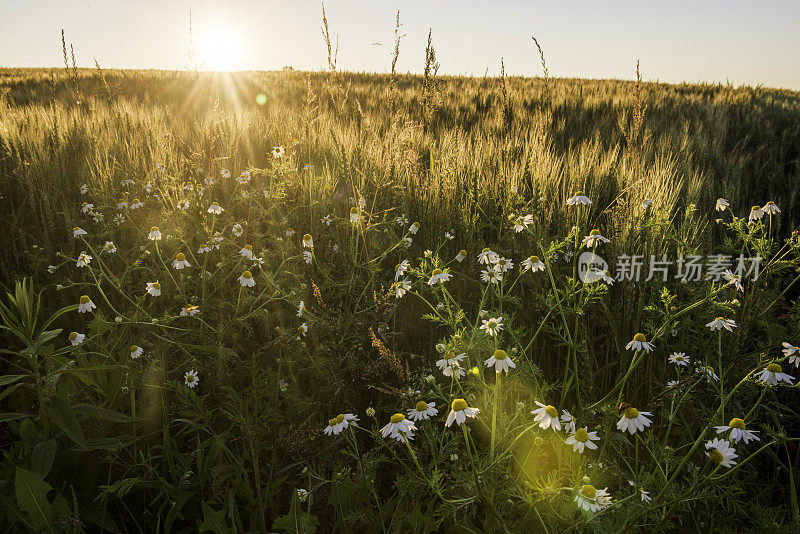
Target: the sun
(220, 49)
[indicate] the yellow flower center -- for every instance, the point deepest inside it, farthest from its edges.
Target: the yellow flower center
(76, 228)
(421, 406)
(396, 418)
(181, 256)
(736, 423)
(85, 299)
(588, 491)
(500, 354)
(353, 211)
(534, 259)
(770, 202)
(755, 208)
(582, 435)
(73, 336)
(715, 456)
(307, 237)
(594, 232)
(249, 247)
(774, 368)
(631, 413)
(134, 348)
(485, 250)
(679, 358)
(247, 274)
(336, 420)
(437, 272)
(458, 405)
(463, 252)
(639, 337)
(156, 285)
(551, 411)
(214, 205)
(449, 355)
(154, 229)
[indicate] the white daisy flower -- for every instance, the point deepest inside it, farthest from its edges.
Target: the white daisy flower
(719, 323)
(282, 385)
(153, 288)
(414, 228)
(450, 365)
(215, 208)
(247, 252)
(87, 207)
(340, 422)
(327, 220)
(503, 264)
(546, 416)
(578, 199)
(83, 260)
(136, 204)
(591, 499)
(645, 495)
(302, 495)
(78, 231)
(633, 420)
(756, 213)
(710, 374)
(109, 247)
(582, 439)
(679, 359)
(191, 379)
(308, 257)
(423, 411)
(180, 261)
(501, 361)
(76, 338)
(191, 311)
(303, 329)
(520, 222)
(247, 279)
(301, 308)
(244, 177)
(126, 182)
(85, 304)
(225, 173)
(203, 248)
(449, 236)
(738, 431)
(354, 215)
(439, 276)
(402, 287)
(308, 241)
(119, 218)
(462, 254)
(647, 203)
(720, 452)
(532, 264)
(773, 374)
(491, 276)
(492, 326)
(216, 239)
(770, 208)
(791, 351)
(733, 279)
(136, 351)
(401, 220)
(638, 343)
(400, 269)
(568, 421)
(459, 411)
(672, 383)
(84, 189)
(278, 152)
(722, 204)
(594, 238)
(237, 230)
(155, 234)
(399, 428)
(487, 257)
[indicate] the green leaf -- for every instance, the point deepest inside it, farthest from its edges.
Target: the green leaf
(214, 521)
(62, 415)
(42, 457)
(10, 379)
(297, 520)
(90, 410)
(5, 417)
(31, 494)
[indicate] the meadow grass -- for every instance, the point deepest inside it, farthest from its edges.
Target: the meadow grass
(189, 399)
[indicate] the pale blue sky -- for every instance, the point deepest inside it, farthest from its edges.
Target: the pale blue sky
(715, 41)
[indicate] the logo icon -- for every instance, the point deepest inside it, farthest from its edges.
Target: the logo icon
(591, 267)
